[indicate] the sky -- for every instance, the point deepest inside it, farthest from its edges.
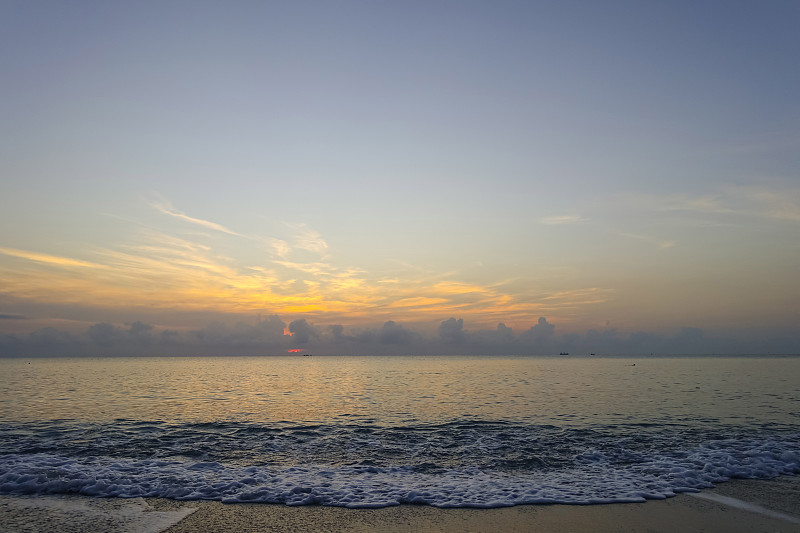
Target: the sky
(399, 177)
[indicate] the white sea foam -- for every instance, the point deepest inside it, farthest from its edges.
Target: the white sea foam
(593, 478)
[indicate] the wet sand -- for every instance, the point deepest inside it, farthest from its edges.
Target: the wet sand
(745, 506)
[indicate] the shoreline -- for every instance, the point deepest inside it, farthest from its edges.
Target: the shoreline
(734, 506)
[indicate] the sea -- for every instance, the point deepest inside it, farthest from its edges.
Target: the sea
(378, 431)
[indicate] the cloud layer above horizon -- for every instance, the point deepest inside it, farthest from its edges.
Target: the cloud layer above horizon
(272, 336)
(371, 172)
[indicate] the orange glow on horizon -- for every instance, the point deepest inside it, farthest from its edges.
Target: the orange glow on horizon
(295, 350)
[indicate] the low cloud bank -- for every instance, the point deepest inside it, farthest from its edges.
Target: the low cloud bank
(272, 336)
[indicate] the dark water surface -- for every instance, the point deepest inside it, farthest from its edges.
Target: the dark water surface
(375, 431)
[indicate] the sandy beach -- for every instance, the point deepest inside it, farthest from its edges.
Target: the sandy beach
(745, 506)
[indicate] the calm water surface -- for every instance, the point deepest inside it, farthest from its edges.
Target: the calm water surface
(373, 431)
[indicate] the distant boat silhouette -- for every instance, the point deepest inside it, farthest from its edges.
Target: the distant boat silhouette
(564, 353)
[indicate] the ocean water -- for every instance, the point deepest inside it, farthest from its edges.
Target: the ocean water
(378, 431)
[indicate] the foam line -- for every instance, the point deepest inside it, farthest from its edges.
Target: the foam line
(745, 506)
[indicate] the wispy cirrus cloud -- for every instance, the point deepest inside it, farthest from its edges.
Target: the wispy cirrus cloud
(768, 200)
(315, 268)
(418, 301)
(779, 204)
(578, 297)
(308, 239)
(556, 220)
(660, 243)
(300, 237)
(280, 247)
(48, 259)
(164, 206)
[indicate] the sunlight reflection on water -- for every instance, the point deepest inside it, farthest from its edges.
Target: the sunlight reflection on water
(401, 390)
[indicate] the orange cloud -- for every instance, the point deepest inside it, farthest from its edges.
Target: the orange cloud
(48, 259)
(421, 301)
(161, 271)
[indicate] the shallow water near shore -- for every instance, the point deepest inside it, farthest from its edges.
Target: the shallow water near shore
(381, 431)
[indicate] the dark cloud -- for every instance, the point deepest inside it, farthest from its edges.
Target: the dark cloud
(540, 339)
(267, 337)
(169, 337)
(643, 342)
(338, 336)
(243, 338)
(49, 336)
(215, 332)
(11, 317)
(140, 329)
(141, 333)
(269, 331)
(393, 333)
(45, 342)
(499, 338)
(504, 333)
(359, 340)
(540, 332)
(302, 331)
(105, 334)
(691, 334)
(452, 331)
(337, 332)
(601, 338)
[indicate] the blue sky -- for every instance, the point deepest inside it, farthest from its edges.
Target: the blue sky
(611, 166)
